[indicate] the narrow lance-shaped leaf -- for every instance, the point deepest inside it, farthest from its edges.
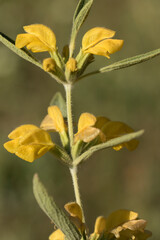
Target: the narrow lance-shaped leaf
(128, 62)
(8, 42)
(131, 61)
(79, 7)
(59, 101)
(80, 15)
(110, 143)
(59, 218)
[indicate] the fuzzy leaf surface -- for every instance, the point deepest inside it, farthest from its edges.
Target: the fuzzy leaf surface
(59, 218)
(131, 61)
(80, 15)
(80, 6)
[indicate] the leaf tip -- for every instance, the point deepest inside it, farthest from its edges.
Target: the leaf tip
(35, 179)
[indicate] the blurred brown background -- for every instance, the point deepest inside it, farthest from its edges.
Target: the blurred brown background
(109, 180)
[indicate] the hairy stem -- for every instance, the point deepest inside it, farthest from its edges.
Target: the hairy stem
(68, 89)
(73, 172)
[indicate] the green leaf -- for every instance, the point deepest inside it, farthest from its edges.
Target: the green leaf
(81, 14)
(131, 61)
(80, 6)
(59, 101)
(8, 42)
(59, 218)
(124, 63)
(110, 143)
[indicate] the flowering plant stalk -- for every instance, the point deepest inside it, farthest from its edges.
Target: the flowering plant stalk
(30, 142)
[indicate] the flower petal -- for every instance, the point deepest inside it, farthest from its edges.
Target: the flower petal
(31, 152)
(117, 129)
(135, 225)
(31, 42)
(101, 121)
(24, 39)
(36, 136)
(11, 146)
(94, 36)
(57, 117)
(37, 46)
(21, 130)
(100, 225)
(87, 134)
(47, 124)
(73, 209)
(43, 33)
(86, 120)
(57, 235)
(106, 47)
(119, 217)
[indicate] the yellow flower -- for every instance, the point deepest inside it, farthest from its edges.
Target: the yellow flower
(54, 120)
(29, 142)
(122, 225)
(38, 38)
(112, 129)
(86, 131)
(97, 41)
(89, 127)
(75, 216)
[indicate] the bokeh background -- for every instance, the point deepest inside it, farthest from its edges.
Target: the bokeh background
(109, 180)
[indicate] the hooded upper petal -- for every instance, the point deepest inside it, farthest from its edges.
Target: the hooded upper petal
(39, 38)
(94, 36)
(86, 132)
(96, 41)
(57, 118)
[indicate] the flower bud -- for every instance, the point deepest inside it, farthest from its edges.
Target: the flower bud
(49, 65)
(71, 65)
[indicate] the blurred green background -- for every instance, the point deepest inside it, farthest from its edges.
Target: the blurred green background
(109, 180)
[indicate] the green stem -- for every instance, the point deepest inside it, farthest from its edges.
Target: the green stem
(73, 172)
(68, 89)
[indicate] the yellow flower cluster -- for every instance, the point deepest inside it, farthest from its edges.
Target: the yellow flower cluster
(121, 224)
(40, 38)
(30, 142)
